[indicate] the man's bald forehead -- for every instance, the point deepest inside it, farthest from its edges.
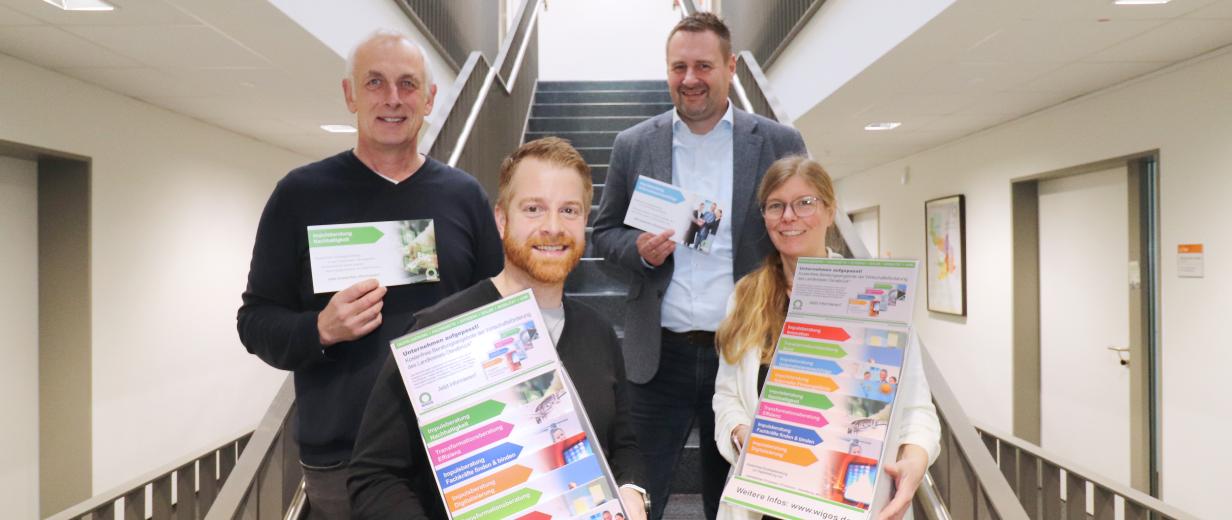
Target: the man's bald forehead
(387, 38)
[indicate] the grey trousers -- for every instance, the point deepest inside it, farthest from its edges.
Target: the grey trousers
(326, 488)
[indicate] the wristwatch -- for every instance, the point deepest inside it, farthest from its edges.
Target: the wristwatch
(641, 491)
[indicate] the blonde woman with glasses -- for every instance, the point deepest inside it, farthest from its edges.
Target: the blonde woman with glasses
(798, 204)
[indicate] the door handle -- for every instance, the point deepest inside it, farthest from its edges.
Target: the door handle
(1122, 354)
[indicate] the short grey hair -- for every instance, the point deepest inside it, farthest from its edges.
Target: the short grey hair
(389, 34)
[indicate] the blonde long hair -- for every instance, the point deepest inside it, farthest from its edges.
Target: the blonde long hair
(761, 296)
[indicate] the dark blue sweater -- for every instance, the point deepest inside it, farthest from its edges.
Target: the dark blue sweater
(277, 321)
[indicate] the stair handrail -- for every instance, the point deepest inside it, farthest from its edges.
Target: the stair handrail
(158, 483)
(504, 70)
(963, 453)
(1015, 453)
(233, 497)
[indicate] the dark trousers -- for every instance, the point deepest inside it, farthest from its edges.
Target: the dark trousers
(326, 488)
(666, 407)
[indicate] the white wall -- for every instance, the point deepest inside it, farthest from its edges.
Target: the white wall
(174, 206)
(19, 460)
(604, 39)
(842, 39)
(342, 25)
(1187, 115)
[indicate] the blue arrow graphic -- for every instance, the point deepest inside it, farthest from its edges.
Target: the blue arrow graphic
(786, 432)
(659, 191)
(820, 366)
(479, 463)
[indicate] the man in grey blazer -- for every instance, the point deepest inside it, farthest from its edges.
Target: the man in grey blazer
(678, 295)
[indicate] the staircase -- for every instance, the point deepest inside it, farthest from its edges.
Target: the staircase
(590, 114)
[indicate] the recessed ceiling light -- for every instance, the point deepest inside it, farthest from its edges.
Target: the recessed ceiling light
(877, 127)
(338, 129)
(1141, 2)
(82, 5)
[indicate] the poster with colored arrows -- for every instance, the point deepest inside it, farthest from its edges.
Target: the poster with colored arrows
(395, 252)
(500, 419)
(826, 409)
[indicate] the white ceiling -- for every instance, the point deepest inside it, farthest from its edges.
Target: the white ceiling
(984, 62)
(239, 64)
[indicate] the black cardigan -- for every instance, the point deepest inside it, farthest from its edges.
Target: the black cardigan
(390, 476)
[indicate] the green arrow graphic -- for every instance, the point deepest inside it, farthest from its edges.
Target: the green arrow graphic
(812, 348)
(343, 236)
(882, 286)
(463, 420)
(504, 507)
(792, 396)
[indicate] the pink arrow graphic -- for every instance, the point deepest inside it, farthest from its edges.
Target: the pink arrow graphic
(455, 447)
(793, 414)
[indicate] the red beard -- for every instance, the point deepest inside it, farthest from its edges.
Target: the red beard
(543, 270)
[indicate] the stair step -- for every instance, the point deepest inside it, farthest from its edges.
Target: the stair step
(605, 96)
(598, 172)
(599, 109)
(583, 124)
(602, 139)
(596, 155)
(598, 192)
(574, 86)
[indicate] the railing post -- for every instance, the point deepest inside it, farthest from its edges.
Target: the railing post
(134, 504)
(1028, 484)
(1075, 496)
(186, 492)
(162, 497)
(1052, 491)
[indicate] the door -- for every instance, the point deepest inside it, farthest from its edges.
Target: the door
(1083, 311)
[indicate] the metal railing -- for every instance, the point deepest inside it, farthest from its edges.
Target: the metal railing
(965, 476)
(500, 106)
(1052, 489)
(766, 27)
(457, 27)
(267, 475)
(182, 490)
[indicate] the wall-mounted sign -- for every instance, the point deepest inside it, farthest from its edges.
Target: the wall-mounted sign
(1189, 260)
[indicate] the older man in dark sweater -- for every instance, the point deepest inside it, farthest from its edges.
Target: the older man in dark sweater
(337, 343)
(545, 193)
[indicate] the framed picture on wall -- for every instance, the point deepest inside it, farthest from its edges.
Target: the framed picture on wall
(945, 225)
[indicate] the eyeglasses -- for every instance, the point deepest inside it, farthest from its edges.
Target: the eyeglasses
(802, 207)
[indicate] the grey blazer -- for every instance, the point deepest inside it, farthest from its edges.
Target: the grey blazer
(646, 149)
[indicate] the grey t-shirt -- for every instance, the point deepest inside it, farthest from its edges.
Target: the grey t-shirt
(555, 320)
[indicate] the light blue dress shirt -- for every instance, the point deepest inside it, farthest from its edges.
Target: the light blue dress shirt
(696, 299)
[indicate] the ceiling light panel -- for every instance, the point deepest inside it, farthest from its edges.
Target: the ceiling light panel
(82, 5)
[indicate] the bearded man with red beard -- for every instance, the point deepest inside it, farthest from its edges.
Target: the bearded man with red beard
(541, 208)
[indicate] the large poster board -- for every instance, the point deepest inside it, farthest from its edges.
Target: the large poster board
(820, 431)
(505, 433)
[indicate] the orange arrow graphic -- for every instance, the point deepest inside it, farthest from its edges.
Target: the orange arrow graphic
(780, 451)
(800, 379)
(491, 485)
